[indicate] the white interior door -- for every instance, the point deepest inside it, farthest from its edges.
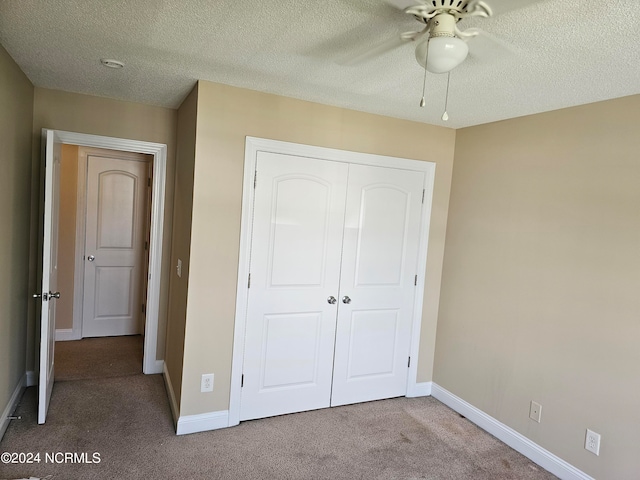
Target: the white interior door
(114, 245)
(377, 285)
(295, 269)
(49, 294)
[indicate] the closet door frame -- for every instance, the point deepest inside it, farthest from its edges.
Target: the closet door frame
(253, 145)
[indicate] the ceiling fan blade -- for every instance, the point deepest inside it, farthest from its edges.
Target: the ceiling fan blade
(501, 7)
(369, 53)
(403, 4)
(486, 46)
(498, 7)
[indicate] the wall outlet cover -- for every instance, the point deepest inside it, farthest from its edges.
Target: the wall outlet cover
(592, 442)
(206, 383)
(535, 411)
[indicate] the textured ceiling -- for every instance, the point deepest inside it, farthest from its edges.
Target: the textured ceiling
(564, 53)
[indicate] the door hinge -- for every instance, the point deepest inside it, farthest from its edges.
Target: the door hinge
(249, 282)
(242, 381)
(255, 179)
(423, 195)
(409, 363)
(144, 308)
(148, 182)
(146, 245)
(415, 281)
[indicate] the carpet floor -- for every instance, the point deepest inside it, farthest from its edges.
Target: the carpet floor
(126, 420)
(98, 357)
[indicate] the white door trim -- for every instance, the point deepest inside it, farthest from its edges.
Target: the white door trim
(159, 152)
(252, 147)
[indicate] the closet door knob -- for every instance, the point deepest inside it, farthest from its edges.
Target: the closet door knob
(331, 300)
(346, 299)
(91, 258)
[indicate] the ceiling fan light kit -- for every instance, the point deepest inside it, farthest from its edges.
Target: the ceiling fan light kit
(445, 43)
(445, 54)
(441, 45)
(446, 51)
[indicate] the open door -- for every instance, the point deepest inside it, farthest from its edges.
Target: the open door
(49, 293)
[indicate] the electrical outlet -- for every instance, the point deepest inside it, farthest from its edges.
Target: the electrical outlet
(592, 442)
(206, 384)
(535, 411)
(179, 268)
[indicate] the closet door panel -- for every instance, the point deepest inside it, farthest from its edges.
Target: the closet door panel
(295, 267)
(380, 251)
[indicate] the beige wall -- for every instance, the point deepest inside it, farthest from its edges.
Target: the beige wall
(102, 116)
(181, 241)
(226, 115)
(541, 282)
(67, 235)
(16, 116)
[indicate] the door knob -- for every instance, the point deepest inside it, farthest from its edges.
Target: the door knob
(36, 295)
(91, 258)
(54, 294)
(331, 300)
(346, 299)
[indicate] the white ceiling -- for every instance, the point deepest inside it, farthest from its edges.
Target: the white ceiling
(565, 53)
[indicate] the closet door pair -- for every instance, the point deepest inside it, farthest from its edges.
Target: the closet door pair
(334, 251)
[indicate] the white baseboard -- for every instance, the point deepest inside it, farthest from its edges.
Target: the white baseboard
(175, 412)
(158, 367)
(192, 423)
(515, 440)
(202, 423)
(419, 390)
(32, 379)
(66, 334)
(11, 405)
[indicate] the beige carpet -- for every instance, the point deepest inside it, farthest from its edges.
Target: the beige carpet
(127, 421)
(98, 358)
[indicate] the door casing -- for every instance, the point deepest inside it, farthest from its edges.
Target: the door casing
(159, 171)
(254, 145)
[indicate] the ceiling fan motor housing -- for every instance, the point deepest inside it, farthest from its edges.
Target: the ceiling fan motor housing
(443, 25)
(425, 11)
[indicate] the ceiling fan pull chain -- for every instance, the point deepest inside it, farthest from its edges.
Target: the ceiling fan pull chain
(445, 115)
(424, 82)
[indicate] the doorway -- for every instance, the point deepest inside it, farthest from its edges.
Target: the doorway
(52, 141)
(149, 288)
(103, 232)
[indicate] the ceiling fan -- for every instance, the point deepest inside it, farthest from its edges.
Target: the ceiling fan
(440, 44)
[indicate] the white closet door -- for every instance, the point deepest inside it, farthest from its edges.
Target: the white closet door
(295, 267)
(380, 252)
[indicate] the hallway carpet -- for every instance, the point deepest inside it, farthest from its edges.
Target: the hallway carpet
(98, 358)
